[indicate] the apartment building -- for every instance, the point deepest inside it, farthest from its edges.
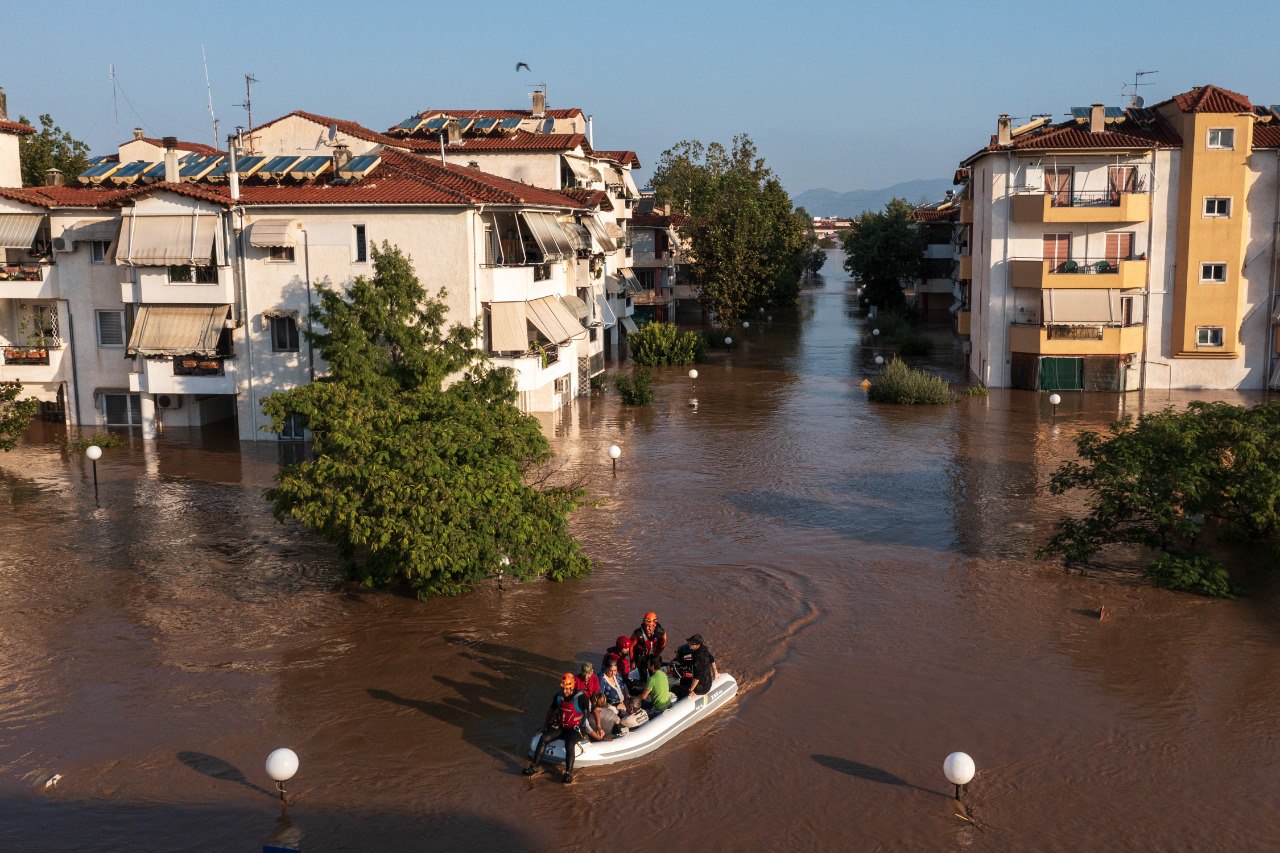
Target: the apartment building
(656, 252)
(1124, 248)
(173, 293)
(935, 293)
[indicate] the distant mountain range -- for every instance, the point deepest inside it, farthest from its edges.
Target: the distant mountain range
(824, 202)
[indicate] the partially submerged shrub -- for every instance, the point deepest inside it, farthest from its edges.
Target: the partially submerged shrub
(977, 391)
(915, 345)
(636, 389)
(899, 383)
(598, 382)
(716, 335)
(662, 343)
(1194, 573)
(79, 442)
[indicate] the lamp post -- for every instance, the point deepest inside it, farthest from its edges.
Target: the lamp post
(1054, 400)
(614, 452)
(746, 325)
(728, 342)
(693, 374)
(94, 453)
(879, 360)
(875, 333)
(959, 770)
(282, 764)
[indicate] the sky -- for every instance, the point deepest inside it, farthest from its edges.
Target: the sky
(842, 95)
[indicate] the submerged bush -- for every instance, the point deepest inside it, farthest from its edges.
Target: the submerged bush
(908, 385)
(662, 343)
(79, 442)
(915, 345)
(714, 337)
(637, 389)
(977, 391)
(897, 329)
(598, 382)
(1194, 573)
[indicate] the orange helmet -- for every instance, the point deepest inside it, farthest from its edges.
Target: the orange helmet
(651, 617)
(567, 680)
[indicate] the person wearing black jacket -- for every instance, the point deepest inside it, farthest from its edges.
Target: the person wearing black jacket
(702, 667)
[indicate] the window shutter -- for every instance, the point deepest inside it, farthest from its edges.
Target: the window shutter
(111, 328)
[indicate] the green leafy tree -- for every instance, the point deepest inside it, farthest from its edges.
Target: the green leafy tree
(50, 148)
(423, 470)
(15, 414)
(1161, 481)
(747, 241)
(662, 343)
(886, 251)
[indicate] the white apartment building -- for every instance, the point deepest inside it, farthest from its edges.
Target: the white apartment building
(1125, 248)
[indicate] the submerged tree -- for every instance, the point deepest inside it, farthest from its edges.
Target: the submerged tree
(15, 414)
(50, 148)
(886, 251)
(747, 241)
(422, 467)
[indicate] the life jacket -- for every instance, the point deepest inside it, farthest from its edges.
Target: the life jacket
(625, 664)
(648, 644)
(570, 717)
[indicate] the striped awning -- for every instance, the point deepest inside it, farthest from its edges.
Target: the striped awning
(612, 229)
(597, 229)
(161, 241)
(579, 236)
(160, 330)
(18, 230)
(628, 324)
(632, 283)
(85, 230)
(630, 184)
(577, 306)
(508, 327)
(556, 323)
(583, 171)
(271, 233)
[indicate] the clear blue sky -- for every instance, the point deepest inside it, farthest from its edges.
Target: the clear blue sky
(845, 95)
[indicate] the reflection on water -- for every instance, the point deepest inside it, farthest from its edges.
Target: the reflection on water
(866, 572)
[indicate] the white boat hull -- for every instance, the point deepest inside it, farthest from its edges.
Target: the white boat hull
(650, 736)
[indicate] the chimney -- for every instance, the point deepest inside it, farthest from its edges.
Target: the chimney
(539, 103)
(137, 133)
(1004, 134)
(666, 208)
(54, 178)
(591, 137)
(341, 156)
(171, 172)
(4, 105)
(1097, 118)
(454, 127)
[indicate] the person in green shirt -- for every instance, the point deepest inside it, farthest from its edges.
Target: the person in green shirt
(656, 697)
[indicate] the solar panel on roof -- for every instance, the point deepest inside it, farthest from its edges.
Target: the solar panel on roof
(483, 125)
(310, 167)
(358, 167)
(154, 172)
(510, 123)
(98, 171)
(409, 125)
(465, 123)
(549, 125)
(1113, 112)
(129, 172)
(195, 168)
(246, 166)
(1079, 112)
(434, 124)
(278, 167)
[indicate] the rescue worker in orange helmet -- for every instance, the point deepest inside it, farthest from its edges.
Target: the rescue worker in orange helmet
(648, 641)
(565, 720)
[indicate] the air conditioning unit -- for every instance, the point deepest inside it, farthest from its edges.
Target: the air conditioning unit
(169, 401)
(62, 244)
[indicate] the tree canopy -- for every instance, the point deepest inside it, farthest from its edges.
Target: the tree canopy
(423, 470)
(50, 147)
(886, 251)
(747, 241)
(15, 414)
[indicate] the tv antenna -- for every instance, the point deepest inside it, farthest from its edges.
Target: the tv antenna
(209, 89)
(1135, 100)
(115, 98)
(249, 80)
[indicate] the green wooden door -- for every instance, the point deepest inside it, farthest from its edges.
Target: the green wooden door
(1061, 374)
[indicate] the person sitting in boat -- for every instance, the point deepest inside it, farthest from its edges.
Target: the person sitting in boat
(620, 653)
(565, 720)
(587, 681)
(613, 686)
(682, 668)
(648, 641)
(702, 667)
(604, 719)
(656, 697)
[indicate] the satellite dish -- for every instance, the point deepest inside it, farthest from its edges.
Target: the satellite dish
(1138, 102)
(333, 132)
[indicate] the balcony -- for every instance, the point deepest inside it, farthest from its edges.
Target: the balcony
(1075, 339)
(154, 286)
(185, 375)
(32, 365)
(26, 356)
(524, 284)
(1124, 275)
(1102, 206)
(966, 211)
(27, 281)
(964, 271)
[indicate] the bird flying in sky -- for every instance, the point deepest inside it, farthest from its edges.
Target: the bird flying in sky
(523, 65)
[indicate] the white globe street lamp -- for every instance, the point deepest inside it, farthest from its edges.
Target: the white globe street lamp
(614, 452)
(959, 769)
(282, 764)
(879, 360)
(875, 332)
(693, 374)
(94, 453)
(1054, 400)
(728, 342)
(746, 325)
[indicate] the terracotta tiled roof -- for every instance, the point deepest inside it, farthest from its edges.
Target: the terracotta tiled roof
(1153, 132)
(1266, 134)
(16, 127)
(72, 196)
(590, 198)
(350, 128)
(569, 113)
(1212, 99)
(196, 147)
(944, 212)
(626, 158)
(518, 141)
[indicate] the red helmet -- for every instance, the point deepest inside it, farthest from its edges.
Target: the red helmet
(624, 644)
(567, 680)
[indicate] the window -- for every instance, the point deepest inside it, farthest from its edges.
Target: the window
(1222, 137)
(592, 334)
(361, 247)
(98, 251)
(110, 328)
(1209, 336)
(280, 254)
(1214, 273)
(284, 334)
(562, 385)
(295, 428)
(193, 275)
(122, 409)
(1217, 206)
(1119, 247)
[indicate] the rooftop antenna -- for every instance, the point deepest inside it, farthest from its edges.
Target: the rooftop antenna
(249, 80)
(115, 99)
(1135, 100)
(209, 89)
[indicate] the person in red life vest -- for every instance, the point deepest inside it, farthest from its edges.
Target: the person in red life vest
(565, 719)
(587, 681)
(648, 641)
(620, 654)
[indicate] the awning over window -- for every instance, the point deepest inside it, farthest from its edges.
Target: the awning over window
(583, 171)
(550, 316)
(577, 306)
(18, 230)
(612, 229)
(629, 278)
(508, 327)
(160, 241)
(548, 234)
(86, 230)
(579, 236)
(597, 229)
(177, 330)
(615, 286)
(628, 324)
(674, 237)
(630, 184)
(271, 233)
(1077, 305)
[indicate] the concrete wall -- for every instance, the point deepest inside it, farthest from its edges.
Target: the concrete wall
(298, 135)
(10, 164)
(536, 168)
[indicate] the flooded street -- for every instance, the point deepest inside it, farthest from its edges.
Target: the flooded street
(866, 573)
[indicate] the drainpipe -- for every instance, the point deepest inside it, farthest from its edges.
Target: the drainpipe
(1146, 294)
(1004, 307)
(71, 349)
(242, 277)
(306, 271)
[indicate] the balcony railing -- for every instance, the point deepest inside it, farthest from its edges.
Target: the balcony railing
(26, 355)
(33, 272)
(193, 366)
(1090, 198)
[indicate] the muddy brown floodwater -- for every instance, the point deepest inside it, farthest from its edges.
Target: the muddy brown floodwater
(866, 572)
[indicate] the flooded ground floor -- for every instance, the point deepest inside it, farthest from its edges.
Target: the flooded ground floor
(866, 572)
